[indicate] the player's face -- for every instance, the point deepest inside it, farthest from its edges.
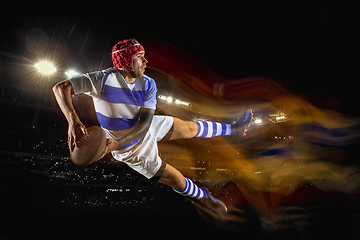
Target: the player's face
(139, 64)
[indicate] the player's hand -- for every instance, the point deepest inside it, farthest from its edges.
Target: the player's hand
(111, 145)
(75, 127)
(106, 151)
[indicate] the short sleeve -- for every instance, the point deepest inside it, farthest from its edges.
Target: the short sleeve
(150, 97)
(88, 83)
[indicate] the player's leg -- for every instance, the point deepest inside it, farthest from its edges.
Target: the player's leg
(172, 177)
(183, 129)
(206, 129)
(162, 128)
(184, 186)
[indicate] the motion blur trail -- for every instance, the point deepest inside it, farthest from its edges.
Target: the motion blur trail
(292, 148)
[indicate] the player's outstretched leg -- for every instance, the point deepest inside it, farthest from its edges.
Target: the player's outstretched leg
(187, 188)
(207, 129)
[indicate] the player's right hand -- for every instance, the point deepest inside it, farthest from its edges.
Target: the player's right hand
(75, 127)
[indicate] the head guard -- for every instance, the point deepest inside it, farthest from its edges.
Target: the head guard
(123, 53)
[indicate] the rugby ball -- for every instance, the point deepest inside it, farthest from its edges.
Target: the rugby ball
(90, 146)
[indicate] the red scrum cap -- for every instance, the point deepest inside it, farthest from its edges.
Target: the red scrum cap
(123, 53)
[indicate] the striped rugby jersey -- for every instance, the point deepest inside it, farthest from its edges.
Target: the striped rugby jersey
(117, 103)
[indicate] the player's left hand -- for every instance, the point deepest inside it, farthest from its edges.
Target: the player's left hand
(111, 145)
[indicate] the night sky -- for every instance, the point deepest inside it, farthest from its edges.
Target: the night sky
(309, 49)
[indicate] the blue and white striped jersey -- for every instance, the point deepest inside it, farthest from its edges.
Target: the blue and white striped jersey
(117, 103)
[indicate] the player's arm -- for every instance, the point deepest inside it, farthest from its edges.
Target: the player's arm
(140, 129)
(62, 92)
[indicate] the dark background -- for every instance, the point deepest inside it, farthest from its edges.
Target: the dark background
(310, 49)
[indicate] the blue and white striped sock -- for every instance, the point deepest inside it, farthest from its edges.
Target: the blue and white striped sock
(211, 129)
(191, 190)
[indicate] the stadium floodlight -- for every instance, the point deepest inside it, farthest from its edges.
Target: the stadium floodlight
(169, 99)
(71, 73)
(258, 121)
(162, 97)
(177, 101)
(45, 67)
(280, 118)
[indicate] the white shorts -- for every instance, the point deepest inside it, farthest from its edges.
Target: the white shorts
(143, 157)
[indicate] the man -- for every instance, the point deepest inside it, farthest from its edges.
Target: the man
(125, 103)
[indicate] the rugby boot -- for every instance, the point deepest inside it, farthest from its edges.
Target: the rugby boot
(212, 203)
(239, 128)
